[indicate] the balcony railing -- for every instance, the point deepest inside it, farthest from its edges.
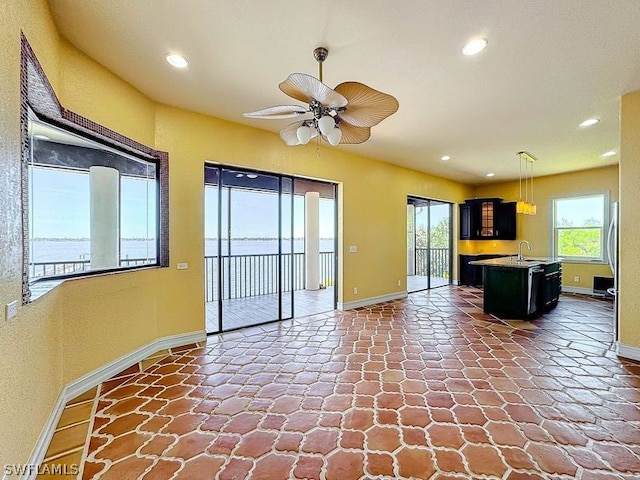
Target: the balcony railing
(244, 275)
(439, 259)
(47, 269)
(250, 275)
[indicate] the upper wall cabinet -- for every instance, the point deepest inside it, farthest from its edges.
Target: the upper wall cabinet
(487, 219)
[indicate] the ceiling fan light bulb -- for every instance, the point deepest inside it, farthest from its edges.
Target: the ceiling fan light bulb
(334, 136)
(304, 134)
(326, 125)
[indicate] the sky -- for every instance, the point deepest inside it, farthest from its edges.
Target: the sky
(255, 214)
(438, 212)
(579, 209)
(59, 204)
(60, 209)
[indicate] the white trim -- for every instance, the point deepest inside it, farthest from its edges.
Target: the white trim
(95, 378)
(627, 351)
(365, 302)
(582, 290)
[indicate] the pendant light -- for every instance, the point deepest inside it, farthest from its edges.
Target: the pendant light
(526, 205)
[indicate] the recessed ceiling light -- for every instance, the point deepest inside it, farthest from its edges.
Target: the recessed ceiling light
(39, 136)
(608, 154)
(239, 175)
(176, 60)
(474, 46)
(490, 174)
(445, 158)
(589, 121)
(252, 175)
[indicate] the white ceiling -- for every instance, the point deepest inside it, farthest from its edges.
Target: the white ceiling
(549, 65)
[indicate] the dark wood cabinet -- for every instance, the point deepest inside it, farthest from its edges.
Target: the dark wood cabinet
(465, 222)
(551, 286)
(505, 221)
(524, 293)
(508, 292)
(472, 274)
(487, 219)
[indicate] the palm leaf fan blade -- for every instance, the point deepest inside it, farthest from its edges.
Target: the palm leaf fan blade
(352, 135)
(306, 88)
(277, 112)
(367, 107)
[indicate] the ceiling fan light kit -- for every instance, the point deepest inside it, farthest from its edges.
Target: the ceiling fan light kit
(343, 115)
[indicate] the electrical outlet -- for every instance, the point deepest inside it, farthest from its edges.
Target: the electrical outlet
(11, 310)
(182, 266)
(355, 290)
(353, 249)
(398, 282)
(576, 279)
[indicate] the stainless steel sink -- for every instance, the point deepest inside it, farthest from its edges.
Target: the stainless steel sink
(524, 261)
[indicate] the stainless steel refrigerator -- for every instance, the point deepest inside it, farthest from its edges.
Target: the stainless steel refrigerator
(613, 246)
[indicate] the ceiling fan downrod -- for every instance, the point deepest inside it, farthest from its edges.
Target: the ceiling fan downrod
(320, 54)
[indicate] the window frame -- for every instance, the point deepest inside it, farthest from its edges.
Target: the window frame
(603, 229)
(105, 148)
(38, 99)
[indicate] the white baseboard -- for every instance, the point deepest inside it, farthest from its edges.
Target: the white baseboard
(365, 302)
(582, 290)
(95, 378)
(626, 351)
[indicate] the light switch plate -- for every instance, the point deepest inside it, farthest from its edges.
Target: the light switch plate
(353, 249)
(182, 266)
(11, 310)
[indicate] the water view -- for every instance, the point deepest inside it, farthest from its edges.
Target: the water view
(62, 250)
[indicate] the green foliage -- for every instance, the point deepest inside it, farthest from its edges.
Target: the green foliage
(580, 242)
(439, 235)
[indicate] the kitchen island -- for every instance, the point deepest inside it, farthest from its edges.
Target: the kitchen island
(520, 288)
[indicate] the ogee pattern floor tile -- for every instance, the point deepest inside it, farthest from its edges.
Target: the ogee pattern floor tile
(425, 387)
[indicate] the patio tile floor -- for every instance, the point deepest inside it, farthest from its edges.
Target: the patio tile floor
(427, 387)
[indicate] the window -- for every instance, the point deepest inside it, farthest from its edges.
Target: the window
(91, 208)
(578, 227)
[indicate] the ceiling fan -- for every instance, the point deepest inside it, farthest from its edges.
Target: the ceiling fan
(343, 115)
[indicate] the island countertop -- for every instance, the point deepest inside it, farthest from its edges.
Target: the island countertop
(513, 261)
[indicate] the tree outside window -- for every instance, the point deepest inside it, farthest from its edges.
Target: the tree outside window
(579, 227)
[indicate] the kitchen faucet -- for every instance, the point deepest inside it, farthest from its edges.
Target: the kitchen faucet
(520, 258)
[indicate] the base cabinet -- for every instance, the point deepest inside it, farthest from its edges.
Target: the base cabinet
(472, 274)
(551, 286)
(507, 292)
(521, 293)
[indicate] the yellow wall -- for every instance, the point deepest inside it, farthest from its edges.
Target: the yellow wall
(536, 228)
(629, 298)
(87, 323)
(30, 356)
(376, 224)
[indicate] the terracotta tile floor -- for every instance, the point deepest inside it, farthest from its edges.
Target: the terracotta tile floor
(427, 387)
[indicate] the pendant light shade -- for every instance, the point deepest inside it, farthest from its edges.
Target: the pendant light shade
(525, 205)
(304, 134)
(326, 124)
(334, 136)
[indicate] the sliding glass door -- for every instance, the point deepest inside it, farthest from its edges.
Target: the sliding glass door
(429, 241)
(260, 261)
